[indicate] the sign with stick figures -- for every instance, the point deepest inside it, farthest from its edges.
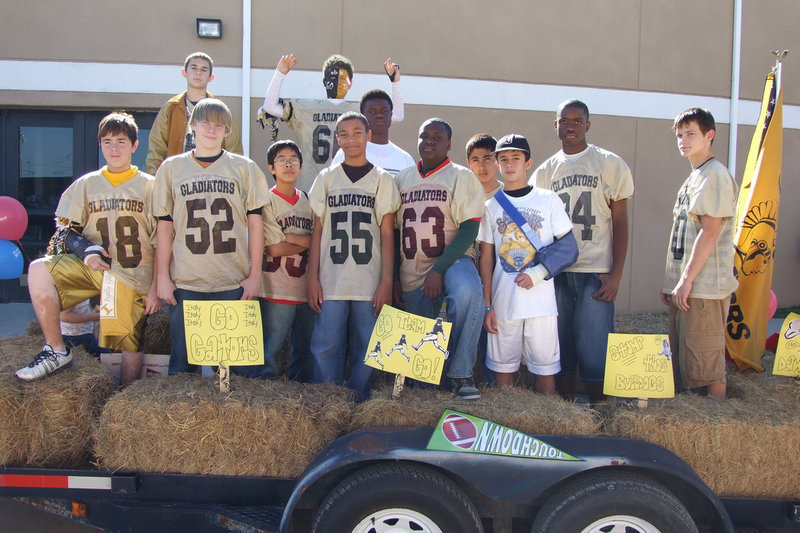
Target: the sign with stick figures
(410, 345)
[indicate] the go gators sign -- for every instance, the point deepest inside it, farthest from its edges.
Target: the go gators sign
(459, 432)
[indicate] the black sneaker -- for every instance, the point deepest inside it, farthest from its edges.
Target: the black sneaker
(465, 389)
(46, 362)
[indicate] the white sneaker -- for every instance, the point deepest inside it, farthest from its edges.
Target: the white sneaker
(46, 362)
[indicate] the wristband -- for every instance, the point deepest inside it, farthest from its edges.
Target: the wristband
(490, 308)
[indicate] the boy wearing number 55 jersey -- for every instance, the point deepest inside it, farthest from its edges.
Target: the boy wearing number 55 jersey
(104, 241)
(210, 235)
(351, 256)
(594, 185)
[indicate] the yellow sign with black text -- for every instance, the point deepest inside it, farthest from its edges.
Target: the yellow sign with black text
(223, 331)
(409, 345)
(787, 355)
(639, 366)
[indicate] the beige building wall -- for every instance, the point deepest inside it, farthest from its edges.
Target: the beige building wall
(681, 48)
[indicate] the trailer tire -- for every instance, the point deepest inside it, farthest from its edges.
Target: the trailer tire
(626, 502)
(394, 497)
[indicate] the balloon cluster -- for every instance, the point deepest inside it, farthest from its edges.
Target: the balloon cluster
(13, 222)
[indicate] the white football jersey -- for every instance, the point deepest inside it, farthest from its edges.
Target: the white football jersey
(120, 219)
(431, 213)
(284, 278)
(209, 209)
(351, 215)
(587, 186)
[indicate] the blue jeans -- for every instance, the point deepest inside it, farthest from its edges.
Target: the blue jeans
(178, 360)
(88, 341)
(583, 325)
(338, 322)
(277, 320)
(464, 297)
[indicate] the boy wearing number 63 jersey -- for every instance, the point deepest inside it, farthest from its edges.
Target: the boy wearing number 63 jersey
(210, 235)
(351, 256)
(103, 242)
(442, 206)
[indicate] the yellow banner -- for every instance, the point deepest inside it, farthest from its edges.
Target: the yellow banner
(787, 355)
(409, 345)
(638, 366)
(757, 216)
(227, 331)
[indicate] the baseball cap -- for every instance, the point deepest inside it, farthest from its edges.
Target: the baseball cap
(513, 141)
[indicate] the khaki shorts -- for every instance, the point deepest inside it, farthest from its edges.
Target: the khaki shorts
(76, 282)
(697, 339)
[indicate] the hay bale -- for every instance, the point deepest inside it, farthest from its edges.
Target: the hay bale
(48, 423)
(514, 407)
(643, 323)
(155, 337)
(183, 424)
(738, 447)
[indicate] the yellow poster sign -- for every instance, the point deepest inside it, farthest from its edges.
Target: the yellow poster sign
(227, 331)
(639, 366)
(409, 345)
(787, 355)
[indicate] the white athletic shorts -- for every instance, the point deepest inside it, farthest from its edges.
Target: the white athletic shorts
(534, 338)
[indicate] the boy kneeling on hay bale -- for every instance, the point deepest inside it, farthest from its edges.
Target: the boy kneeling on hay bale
(103, 242)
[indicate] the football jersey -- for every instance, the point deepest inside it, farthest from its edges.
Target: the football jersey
(545, 214)
(120, 219)
(209, 209)
(389, 157)
(709, 190)
(587, 186)
(284, 278)
(314, 125)
(351, 214)
(432, 210)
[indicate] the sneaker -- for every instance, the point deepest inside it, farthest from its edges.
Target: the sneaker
(465, 389)
(46, 362)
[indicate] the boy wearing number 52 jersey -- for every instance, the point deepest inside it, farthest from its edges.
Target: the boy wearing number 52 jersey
(104, 240)
(594, 185)
(351, 256)
(210, 235)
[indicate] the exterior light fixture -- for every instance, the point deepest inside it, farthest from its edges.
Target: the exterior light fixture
(209, 28)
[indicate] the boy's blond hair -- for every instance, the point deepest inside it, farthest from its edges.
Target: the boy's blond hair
(214, 111)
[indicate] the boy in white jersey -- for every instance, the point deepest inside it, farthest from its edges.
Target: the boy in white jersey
(313, 120)
(171, 134)
(594, 185)
(288, 222)
(442, 205)
(377, 106)
(518, 289)
(698, 278)
(105, 227)
(351, 257)
(210, 230)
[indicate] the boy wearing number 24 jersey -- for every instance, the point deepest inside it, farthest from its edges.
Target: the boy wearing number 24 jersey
(210, 235)
(104, 240)
(351, 256)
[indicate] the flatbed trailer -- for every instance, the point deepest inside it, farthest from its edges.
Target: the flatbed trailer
(384, 480)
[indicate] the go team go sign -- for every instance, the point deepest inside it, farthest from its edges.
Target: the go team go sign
(459, 432)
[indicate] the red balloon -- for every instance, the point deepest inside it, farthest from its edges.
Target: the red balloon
(773, 304)
(13, 219)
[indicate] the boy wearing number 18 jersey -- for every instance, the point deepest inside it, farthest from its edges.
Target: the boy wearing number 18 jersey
(210, 234)
(104, 226)
(351, 256)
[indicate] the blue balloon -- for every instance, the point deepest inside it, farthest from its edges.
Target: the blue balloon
(11, 261)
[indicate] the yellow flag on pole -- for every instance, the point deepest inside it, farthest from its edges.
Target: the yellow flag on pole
(757, 230)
